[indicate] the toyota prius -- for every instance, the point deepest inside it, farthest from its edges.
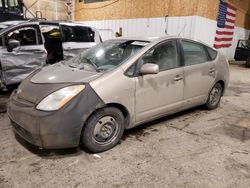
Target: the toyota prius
(116, 85)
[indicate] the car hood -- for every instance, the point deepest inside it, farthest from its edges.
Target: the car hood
(60, 73)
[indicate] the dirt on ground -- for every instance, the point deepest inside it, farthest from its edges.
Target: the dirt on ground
(194, 148)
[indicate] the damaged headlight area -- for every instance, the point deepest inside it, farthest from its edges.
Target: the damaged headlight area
(59, 98)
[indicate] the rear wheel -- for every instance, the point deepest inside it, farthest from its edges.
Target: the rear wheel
(103, 130)
(214, 97)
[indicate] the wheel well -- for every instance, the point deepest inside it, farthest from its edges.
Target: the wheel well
(120, 107)
(123, 110)
(222, 84)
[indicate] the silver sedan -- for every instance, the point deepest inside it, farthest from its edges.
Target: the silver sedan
(116, 85)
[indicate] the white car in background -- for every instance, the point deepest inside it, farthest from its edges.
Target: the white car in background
(6, 24)
(29, 45)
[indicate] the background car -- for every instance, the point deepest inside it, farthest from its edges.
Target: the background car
(6, 24)
(242, 52)
(116, 85)
(30, 45)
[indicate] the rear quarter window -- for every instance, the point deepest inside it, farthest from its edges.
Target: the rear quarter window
(212, 53)
(194, 53)
(78, 34)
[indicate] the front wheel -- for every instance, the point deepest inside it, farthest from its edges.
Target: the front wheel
(103, 130)
(214, 97)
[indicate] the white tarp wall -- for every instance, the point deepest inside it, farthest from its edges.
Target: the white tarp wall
(205, 31)
(195, 27)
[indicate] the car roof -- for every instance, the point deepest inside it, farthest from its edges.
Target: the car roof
(55, 22)
(153, 39)
(38, 22)
(13, 22)
(6, 24)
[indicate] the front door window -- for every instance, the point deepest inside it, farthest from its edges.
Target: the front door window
(165, 55)
(26, 36)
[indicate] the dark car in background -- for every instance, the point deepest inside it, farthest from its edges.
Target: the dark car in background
(30, 45)
(242, 52)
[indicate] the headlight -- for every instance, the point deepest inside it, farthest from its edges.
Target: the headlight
(59, 98)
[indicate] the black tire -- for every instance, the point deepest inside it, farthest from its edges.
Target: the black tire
(248, 62)
(103, 130)
(214, 97)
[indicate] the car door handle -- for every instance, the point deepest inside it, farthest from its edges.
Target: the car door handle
(211, 70)
(178, 77)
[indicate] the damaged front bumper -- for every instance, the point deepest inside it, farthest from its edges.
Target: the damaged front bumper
(52, 130)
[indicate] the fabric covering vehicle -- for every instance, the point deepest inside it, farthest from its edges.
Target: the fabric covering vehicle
(30, 45)
(116, 85)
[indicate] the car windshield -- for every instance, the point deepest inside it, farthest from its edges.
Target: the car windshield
(106, 56)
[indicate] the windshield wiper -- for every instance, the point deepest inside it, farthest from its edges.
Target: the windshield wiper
(71, 66)
(91, 63)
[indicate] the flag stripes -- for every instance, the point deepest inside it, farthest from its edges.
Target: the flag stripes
(225, 25)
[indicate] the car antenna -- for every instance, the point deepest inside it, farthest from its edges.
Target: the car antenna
(166, 22)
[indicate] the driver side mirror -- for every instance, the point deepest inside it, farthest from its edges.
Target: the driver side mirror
(12, 43)
(149, 68)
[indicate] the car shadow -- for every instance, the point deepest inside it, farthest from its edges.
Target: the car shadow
(238, 63)
(48, 153)
(138, 132)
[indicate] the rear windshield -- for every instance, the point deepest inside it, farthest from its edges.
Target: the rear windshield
(77, 34)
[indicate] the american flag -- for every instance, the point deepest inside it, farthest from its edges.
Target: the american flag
(225, 25)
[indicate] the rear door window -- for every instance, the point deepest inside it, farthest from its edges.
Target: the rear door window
(77, 34)
(194, 53)
(50, 31)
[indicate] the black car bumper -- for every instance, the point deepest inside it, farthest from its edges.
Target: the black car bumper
(57, 129)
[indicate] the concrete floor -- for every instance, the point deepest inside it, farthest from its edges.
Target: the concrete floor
(195, 148)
